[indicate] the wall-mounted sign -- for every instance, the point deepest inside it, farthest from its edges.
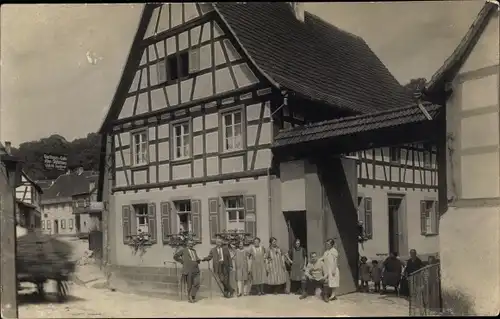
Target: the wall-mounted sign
(58, 162)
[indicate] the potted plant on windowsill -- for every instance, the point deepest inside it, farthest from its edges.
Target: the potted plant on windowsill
(179, 240)
(139, 242)
(234, 236)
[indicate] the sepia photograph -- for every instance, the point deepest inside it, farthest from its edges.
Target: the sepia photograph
(250, 159)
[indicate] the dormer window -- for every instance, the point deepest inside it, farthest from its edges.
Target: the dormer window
(179, 66)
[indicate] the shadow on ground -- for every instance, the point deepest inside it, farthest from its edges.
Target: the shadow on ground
(34, 298)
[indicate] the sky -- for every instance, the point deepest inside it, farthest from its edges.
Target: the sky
(48, 86)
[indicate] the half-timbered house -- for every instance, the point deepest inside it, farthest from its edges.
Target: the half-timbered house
(28, 199)
(187, 139)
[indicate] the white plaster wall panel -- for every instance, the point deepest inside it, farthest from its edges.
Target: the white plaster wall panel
(176, 15)
(183, 41)
(480, 181)
(153, 73)
(152, 153)
(125, 138)
(160, 50)
(267, 109)
(140, 177)
(244, 76)
(249, 158)
(197, 124)
(232, 164)
(172, 94)
(128, 107)
(152, 174)
(171, 46)
(198, 168)
(480, 92)
(195, 35)
(253, 112)
(135, 83)
(181, 171)
(190, 11)
(158, 100)
(152, 24)
(231, 51)
(219, 55)
(142, 104)
(217, 30)
(163, 173)
(212, 142)
(265, 134)
(486, 51)
(212, 165)
(186, 87)
(394, 173)
(163, 151)
(163, 23)
(144, 77)
(144, 59)
(203, 87)
(206, 32)
(263, 159)
(480, 130)
(198, 145)
(211, 120)
(251, 134)
(205, 57)
(364, 173)
(163, 131)
(121, 180)
(223, 81)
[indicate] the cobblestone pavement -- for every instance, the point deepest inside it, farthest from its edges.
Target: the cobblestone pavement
(101, 303)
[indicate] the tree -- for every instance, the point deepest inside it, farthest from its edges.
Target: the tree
(80, 152)
(415, 86)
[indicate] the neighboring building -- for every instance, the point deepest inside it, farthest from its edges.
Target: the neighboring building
(203, 93)
(28, 199)
(45, 184)
(59, 202)
(468, 84)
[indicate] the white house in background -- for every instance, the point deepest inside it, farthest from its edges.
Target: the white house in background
(28, 199)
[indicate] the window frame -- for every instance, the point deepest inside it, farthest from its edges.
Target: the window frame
(427, 158)
(70, 223)
(431, 218)
(224, 137)
(184, 212)
(174, 136)
(393, 151)
(238, 209)
(133, 154)
(138, 215)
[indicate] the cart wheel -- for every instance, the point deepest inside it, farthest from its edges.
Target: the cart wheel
(62, 290)
(40, 289)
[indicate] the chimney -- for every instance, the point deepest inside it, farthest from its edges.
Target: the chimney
(298, 9)
(8, 147)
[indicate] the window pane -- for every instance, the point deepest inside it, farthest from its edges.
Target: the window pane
(237, 130)
(228, 121)
(185, 128)
(229, 131)
(178, 130)
(178, 151)
(241, 216)
(185, 140)
(178, 141)
(186, 150)
(232, 215)
(229, 143)
(237, 142)
(237, 118)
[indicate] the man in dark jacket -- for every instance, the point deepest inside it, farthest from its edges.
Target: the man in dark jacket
(222, 265)
(190, 270)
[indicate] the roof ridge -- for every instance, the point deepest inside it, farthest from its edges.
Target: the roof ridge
(332, 25)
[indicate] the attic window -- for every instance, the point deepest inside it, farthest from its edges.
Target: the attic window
(180, 66)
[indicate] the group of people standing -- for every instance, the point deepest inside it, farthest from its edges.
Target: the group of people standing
(260, 267)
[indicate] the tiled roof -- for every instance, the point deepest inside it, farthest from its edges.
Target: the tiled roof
(354, 124)
(455, 61)
(44, 184)
(314, 58)
(67, 185)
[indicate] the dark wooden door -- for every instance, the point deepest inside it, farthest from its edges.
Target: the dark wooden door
(297, 227)
(394, 229)
(56, 226)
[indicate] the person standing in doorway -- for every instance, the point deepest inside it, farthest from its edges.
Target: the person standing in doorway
(331, 270)
(190, 269)
(258, 266)
(275, 258)
(297, 255)
(222, 265)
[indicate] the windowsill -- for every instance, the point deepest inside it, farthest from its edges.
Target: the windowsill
(231, 153)
(430, 235)
(182, 160)
(139, 166)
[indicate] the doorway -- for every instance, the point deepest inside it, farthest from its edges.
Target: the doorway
(296, 223)
(56, 227)
(395, 231)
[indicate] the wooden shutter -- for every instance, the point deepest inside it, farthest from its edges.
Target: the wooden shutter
(361, 209)
(435, 209)
(126, 223)
(250, 215)
(213, 217)
(368, 218)
(196, 218)
(174, 219)
(165, 221)
(222, 216)
(152, 223)
(194, 60)
(423, 218)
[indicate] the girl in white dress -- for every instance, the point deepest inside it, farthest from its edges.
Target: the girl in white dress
(331, 270)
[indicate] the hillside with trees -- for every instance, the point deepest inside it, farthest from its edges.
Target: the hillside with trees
(80, 152)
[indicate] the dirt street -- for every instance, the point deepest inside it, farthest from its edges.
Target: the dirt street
(101, 303)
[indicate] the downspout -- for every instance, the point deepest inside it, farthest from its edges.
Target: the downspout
(284, 94)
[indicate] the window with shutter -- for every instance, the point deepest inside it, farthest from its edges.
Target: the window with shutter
(165, 221)
(213, 218)
(368, 218)
(152, 223)
(423, 218)
(429, 217)
(196, 219)
(250, 215)
(194, 60)
(126, 223)
(436, 217)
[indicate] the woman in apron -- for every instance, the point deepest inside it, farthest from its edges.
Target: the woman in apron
(258, 266)
(297, 256)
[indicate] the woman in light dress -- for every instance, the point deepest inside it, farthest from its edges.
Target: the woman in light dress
(331, 270)
(242, 268)
(258, 266)
(277, 274)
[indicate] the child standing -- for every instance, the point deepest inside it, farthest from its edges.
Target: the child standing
(376, 275)
(364, 272)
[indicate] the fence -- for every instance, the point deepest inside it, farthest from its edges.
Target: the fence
(425, 291)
